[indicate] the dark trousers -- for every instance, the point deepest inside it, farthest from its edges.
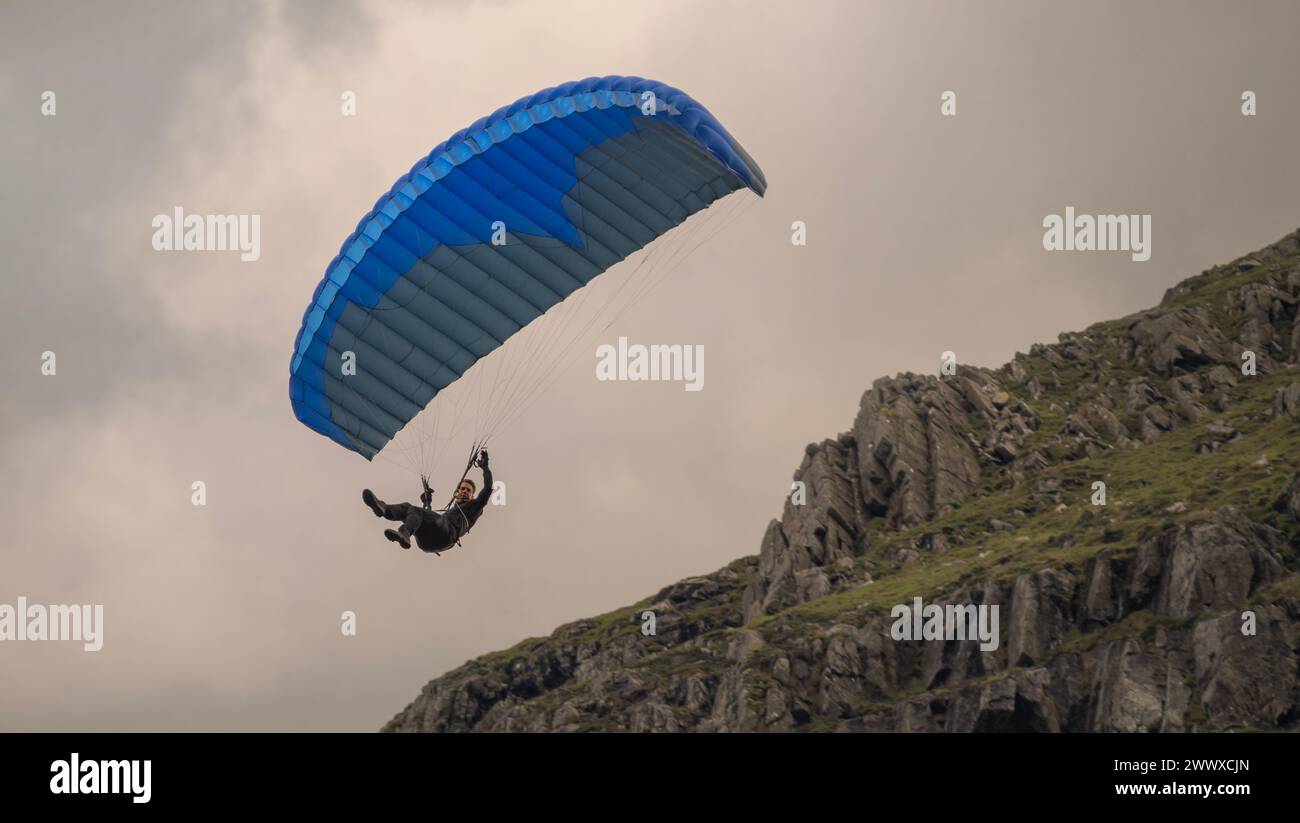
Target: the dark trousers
(431, 531)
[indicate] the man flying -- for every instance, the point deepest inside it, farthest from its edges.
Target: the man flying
(435, 531)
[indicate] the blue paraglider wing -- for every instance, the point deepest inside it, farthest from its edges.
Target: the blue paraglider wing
(580, 176)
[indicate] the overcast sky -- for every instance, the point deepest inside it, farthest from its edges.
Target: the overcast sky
(924, 235)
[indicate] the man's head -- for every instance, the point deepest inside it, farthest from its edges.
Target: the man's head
(465, 491)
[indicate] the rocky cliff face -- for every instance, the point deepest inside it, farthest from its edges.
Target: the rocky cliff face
(1167, 599)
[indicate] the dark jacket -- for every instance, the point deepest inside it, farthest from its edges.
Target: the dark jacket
(461, 517)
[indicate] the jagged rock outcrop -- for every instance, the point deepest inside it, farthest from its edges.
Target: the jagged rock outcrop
(913, 460)
(1166, 342)
(1128, 498)
(800, 557)
(1205, 566)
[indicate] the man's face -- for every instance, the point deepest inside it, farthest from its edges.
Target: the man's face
(464, 492)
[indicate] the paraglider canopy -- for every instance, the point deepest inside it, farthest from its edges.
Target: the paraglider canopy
(498, 224)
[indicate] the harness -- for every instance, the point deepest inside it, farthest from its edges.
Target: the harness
(427, 497)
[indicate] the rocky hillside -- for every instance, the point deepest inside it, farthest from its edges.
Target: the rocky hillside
(978, 488)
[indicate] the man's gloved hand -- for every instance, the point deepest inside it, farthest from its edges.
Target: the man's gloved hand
(483, 459)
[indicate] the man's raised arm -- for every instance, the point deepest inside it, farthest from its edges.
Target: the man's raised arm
(486, 492)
